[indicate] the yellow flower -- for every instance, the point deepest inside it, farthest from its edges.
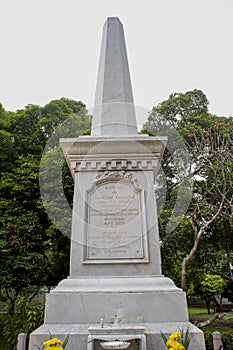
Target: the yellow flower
(176, 336)
(176, 341)
(174, 345)
(53, 344)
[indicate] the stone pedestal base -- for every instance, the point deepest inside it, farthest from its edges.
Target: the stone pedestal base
(152, 303)
(80, 335)
(131, 299)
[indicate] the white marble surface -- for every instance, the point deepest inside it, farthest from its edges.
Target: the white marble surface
(145, 299)
(116, 223)
(89, 153)
(79, 334)
(116, 284)
(149, 264)
(114, 111)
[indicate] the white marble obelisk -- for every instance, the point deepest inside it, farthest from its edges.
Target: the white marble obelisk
(114, 112)
(115, 263)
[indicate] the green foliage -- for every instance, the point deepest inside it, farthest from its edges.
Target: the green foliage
(174, 245)
(208, 161)
(178, 107)
(34, 252)
(212, 284)
(27, 318)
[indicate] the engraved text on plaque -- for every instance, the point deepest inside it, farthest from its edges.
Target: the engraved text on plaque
(115, 222)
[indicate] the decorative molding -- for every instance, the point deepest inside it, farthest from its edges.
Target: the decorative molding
(113, 165)
(110, 175)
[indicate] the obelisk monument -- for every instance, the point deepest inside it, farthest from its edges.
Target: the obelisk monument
(115, 289)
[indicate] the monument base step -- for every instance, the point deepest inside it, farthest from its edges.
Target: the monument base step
(132, 299)
(80, 335)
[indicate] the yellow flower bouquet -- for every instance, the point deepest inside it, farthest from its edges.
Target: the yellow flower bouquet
(54, 344)
(177, 340)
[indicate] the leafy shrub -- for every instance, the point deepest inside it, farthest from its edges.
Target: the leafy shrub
(26, 319)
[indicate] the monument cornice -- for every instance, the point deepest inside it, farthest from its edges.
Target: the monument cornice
(88, 153)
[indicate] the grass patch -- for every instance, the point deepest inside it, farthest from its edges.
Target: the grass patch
(198, 311)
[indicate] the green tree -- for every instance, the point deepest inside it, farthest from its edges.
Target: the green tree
(213, 194)
(6, 139)
(34, 252)
(177, 108)
(208, 142)
(211, 286)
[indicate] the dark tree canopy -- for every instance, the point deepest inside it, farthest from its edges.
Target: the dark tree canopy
(34, 253)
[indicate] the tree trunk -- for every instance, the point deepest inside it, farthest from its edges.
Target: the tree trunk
(207, 301)
(12, 301)
(198, 235)
(12, 304)
(187, 259)
(217, 305)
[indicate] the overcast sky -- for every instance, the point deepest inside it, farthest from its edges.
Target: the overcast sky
(50, 49)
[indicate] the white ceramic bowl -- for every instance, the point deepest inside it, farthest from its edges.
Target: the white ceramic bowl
(117, 344)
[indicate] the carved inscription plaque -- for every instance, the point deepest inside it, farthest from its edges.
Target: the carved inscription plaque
(115, 222)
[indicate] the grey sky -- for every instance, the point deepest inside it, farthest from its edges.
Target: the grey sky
(50, 49)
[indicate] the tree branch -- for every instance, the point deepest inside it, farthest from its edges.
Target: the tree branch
(211, 320)
(222, 274)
